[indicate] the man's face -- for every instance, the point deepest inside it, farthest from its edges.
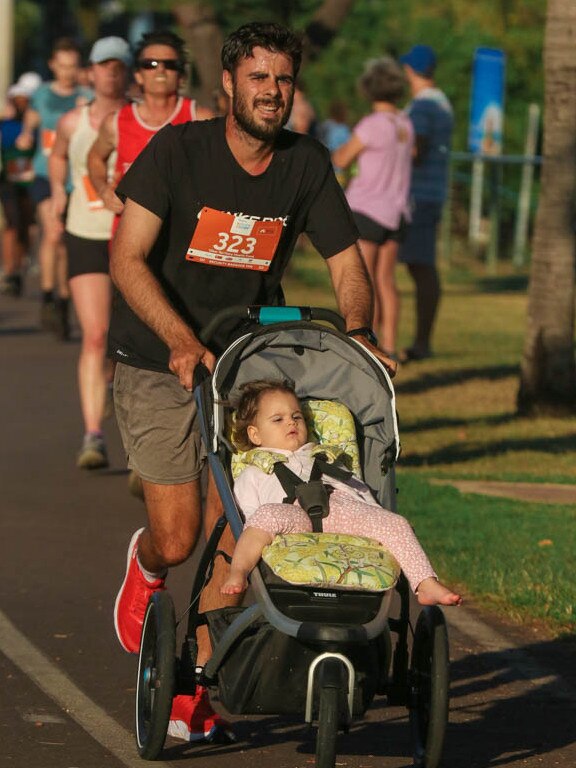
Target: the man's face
(65, 66)
(158, 80)
(262, 91)
(109, 78)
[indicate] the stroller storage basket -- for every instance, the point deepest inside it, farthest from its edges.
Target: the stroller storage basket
(266, 671)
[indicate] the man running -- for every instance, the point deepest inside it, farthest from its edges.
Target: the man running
(48, 103)
(87, 233)
(213, 210)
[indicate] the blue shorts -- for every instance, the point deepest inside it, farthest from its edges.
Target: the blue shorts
(40, 189)
(419, 245)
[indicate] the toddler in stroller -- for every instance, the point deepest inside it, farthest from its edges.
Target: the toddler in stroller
(269, 418)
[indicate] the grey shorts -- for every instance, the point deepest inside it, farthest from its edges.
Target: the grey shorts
(158, 421)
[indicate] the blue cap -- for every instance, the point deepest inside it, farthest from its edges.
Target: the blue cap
(421, 58)
(108, 48)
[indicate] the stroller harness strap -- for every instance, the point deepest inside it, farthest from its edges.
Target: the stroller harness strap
(312, 495)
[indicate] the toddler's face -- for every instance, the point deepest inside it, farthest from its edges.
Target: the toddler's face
(279, 422)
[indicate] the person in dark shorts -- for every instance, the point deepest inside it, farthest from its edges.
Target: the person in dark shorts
(217, 227)
(382, 145)
(432, 116)
(49, 102)
(87, 233)
(16, 175)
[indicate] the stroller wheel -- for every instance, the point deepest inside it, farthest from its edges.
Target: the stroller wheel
(328, 713)
(429, 683)
(156, 674)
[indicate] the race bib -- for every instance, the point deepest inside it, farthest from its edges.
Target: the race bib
(95, 203)
(225, 240)
(48, 138)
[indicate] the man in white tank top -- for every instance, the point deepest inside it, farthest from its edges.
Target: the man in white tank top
(87, 233)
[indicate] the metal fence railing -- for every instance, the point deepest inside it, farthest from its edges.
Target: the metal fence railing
(491, 202)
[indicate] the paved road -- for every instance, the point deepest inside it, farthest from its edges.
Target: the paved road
(67, 689)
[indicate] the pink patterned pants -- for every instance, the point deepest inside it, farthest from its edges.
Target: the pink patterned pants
(351, 515)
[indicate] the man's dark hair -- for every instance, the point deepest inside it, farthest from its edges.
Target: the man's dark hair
(261, 34)
(161, 37)
(65, 44)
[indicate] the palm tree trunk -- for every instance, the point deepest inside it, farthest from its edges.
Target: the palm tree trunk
(548, 370)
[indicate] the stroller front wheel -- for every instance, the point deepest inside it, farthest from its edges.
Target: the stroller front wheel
(429, 681)
(328, 713)
(156, 675)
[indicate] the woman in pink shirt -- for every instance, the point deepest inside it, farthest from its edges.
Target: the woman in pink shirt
(382, 144)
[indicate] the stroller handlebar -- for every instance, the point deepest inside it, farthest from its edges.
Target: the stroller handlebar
(269, 315)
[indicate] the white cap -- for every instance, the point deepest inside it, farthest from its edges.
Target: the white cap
(25, 85)
(110, 48)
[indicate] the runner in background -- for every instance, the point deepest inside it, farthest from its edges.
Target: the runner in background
(160, 64)
(16, 175)
(87, 233)
(47, 105)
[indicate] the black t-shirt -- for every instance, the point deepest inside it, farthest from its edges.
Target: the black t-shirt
(187, 169)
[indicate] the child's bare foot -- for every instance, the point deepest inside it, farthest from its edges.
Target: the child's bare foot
(234, 584)
(432, 592)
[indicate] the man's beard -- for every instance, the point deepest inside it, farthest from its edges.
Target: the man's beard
(265, 131)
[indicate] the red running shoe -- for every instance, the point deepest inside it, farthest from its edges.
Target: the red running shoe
(193, 719)
(132, 600)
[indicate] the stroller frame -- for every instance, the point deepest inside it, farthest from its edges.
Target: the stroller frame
(342, 638)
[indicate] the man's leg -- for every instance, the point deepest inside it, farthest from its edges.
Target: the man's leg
(169, 537)
(211, 596)
(174, 513)
(418, 252)
(428, 292)
(92, 296)
(157, 418)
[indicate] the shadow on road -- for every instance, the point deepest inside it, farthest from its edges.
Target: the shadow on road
(501, 714)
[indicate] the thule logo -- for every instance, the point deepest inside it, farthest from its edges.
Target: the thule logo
(331, 595)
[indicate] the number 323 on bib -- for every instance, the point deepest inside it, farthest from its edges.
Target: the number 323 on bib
(225, 240)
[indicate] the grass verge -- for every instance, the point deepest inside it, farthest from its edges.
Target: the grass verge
(513, 557)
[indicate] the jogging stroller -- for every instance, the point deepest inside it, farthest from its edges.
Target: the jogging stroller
(316, 649)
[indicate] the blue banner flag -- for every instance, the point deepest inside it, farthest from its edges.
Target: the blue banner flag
(487, 102)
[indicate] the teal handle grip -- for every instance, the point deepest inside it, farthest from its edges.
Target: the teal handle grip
(269, 315)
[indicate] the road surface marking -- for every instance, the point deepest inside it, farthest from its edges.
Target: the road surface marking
(58, 686)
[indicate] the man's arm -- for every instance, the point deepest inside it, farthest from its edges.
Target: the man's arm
(58, 162)
(136, 235)
(30, 122)
(354, 296)
(97, 162)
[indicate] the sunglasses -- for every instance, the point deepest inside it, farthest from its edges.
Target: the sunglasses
(172, 64)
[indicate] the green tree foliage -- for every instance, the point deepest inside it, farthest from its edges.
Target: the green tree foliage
(454, 28)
